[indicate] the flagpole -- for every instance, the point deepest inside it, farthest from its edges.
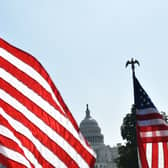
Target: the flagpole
(132, 63)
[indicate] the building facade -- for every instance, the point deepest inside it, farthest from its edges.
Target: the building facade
(106, 155)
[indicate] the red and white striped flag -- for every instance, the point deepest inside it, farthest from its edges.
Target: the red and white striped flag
(36, 127)
(152, 131)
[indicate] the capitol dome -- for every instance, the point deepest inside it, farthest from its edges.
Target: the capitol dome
(91, 130)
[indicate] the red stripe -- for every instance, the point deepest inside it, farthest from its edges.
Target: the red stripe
(165, 150)
(142, 154)
(142, 150)
(5, 141)
(154, 139)
(155, 155)
(31, 61)
(13, 145)
(30, 82)
(48, 120)
(27, 143)
(149, 116)
(41, 136)
(153, 128)
(144, 147)
(9, 163)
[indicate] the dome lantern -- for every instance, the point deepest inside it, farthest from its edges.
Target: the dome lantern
(87, 111)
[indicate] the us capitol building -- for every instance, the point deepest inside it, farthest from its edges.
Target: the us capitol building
(92, 132)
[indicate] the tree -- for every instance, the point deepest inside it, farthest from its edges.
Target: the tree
(128, 152)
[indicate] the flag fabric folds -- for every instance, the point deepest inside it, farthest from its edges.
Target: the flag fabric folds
(36, 127)
(152, 131)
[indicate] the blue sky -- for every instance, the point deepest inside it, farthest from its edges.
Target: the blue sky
(84, 46)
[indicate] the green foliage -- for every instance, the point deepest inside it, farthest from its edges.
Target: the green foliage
(128, 157)
(128, 128)
(128, 152)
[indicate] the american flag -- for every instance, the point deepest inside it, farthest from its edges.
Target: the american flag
(152, 131)
(36, 127)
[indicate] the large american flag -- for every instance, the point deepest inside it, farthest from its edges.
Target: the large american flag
(152, 131)
(36, 127)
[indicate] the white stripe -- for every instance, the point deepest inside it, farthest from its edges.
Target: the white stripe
(36, 76)
(149, 154)
(147, 111)
(28, 70)
(161, 133)
(43, 127)
(161, 156)
(45, 152)
(14, 156)
(7, 133)
(150, 122)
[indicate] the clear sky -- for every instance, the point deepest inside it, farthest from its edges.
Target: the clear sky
(84, 45)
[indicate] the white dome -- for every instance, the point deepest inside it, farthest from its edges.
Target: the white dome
(91, 130)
